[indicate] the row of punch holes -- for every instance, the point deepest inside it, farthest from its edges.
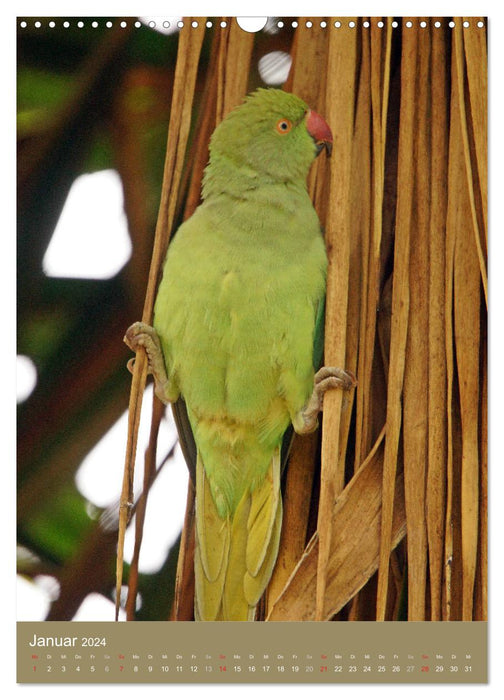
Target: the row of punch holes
(280, 24)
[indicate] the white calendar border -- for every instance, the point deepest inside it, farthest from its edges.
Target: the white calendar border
(7, 275)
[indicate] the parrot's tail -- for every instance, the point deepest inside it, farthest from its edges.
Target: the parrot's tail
(235, 555)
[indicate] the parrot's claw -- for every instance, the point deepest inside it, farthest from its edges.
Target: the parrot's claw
(140, 335)
(326, 378)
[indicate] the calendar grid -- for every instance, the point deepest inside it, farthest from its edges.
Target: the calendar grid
(178, 652)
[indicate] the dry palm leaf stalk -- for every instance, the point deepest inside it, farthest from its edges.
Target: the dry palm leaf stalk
(448, 588)
(400, 303)
(190, 41)
(437, 375)
(481, 602)
(475, 50)
(466, 304)
(460, 75)
(341, 62)
(379, 41)
(368, 193)
(415, 397)
(306, 79)
(235, 52)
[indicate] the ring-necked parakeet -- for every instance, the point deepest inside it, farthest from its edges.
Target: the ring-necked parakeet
(234, 330)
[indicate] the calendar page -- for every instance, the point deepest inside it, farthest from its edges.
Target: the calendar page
(252, 349)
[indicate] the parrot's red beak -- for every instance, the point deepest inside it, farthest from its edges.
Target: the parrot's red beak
(320, 132)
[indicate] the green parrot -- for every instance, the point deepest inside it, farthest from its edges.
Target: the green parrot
(234, 331)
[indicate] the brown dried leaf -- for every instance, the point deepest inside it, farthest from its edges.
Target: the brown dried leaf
(400, 301)
(416, 371)
(437, 379)
(354, 555)
(342, 59)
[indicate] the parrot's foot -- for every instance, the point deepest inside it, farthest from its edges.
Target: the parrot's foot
(140, 335)
(326, 378)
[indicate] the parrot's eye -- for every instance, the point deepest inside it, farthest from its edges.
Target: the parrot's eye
(283, 126)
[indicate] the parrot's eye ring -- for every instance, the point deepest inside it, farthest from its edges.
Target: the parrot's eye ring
(283, 126)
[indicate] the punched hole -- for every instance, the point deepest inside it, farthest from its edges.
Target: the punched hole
(251, 24)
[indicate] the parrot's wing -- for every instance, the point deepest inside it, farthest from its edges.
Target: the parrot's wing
(186, 437)
(318, 339)
(318, 354)
(287, 439)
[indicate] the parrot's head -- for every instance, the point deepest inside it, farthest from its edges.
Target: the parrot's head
(272, 137)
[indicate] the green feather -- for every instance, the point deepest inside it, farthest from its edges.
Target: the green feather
(318, 341)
